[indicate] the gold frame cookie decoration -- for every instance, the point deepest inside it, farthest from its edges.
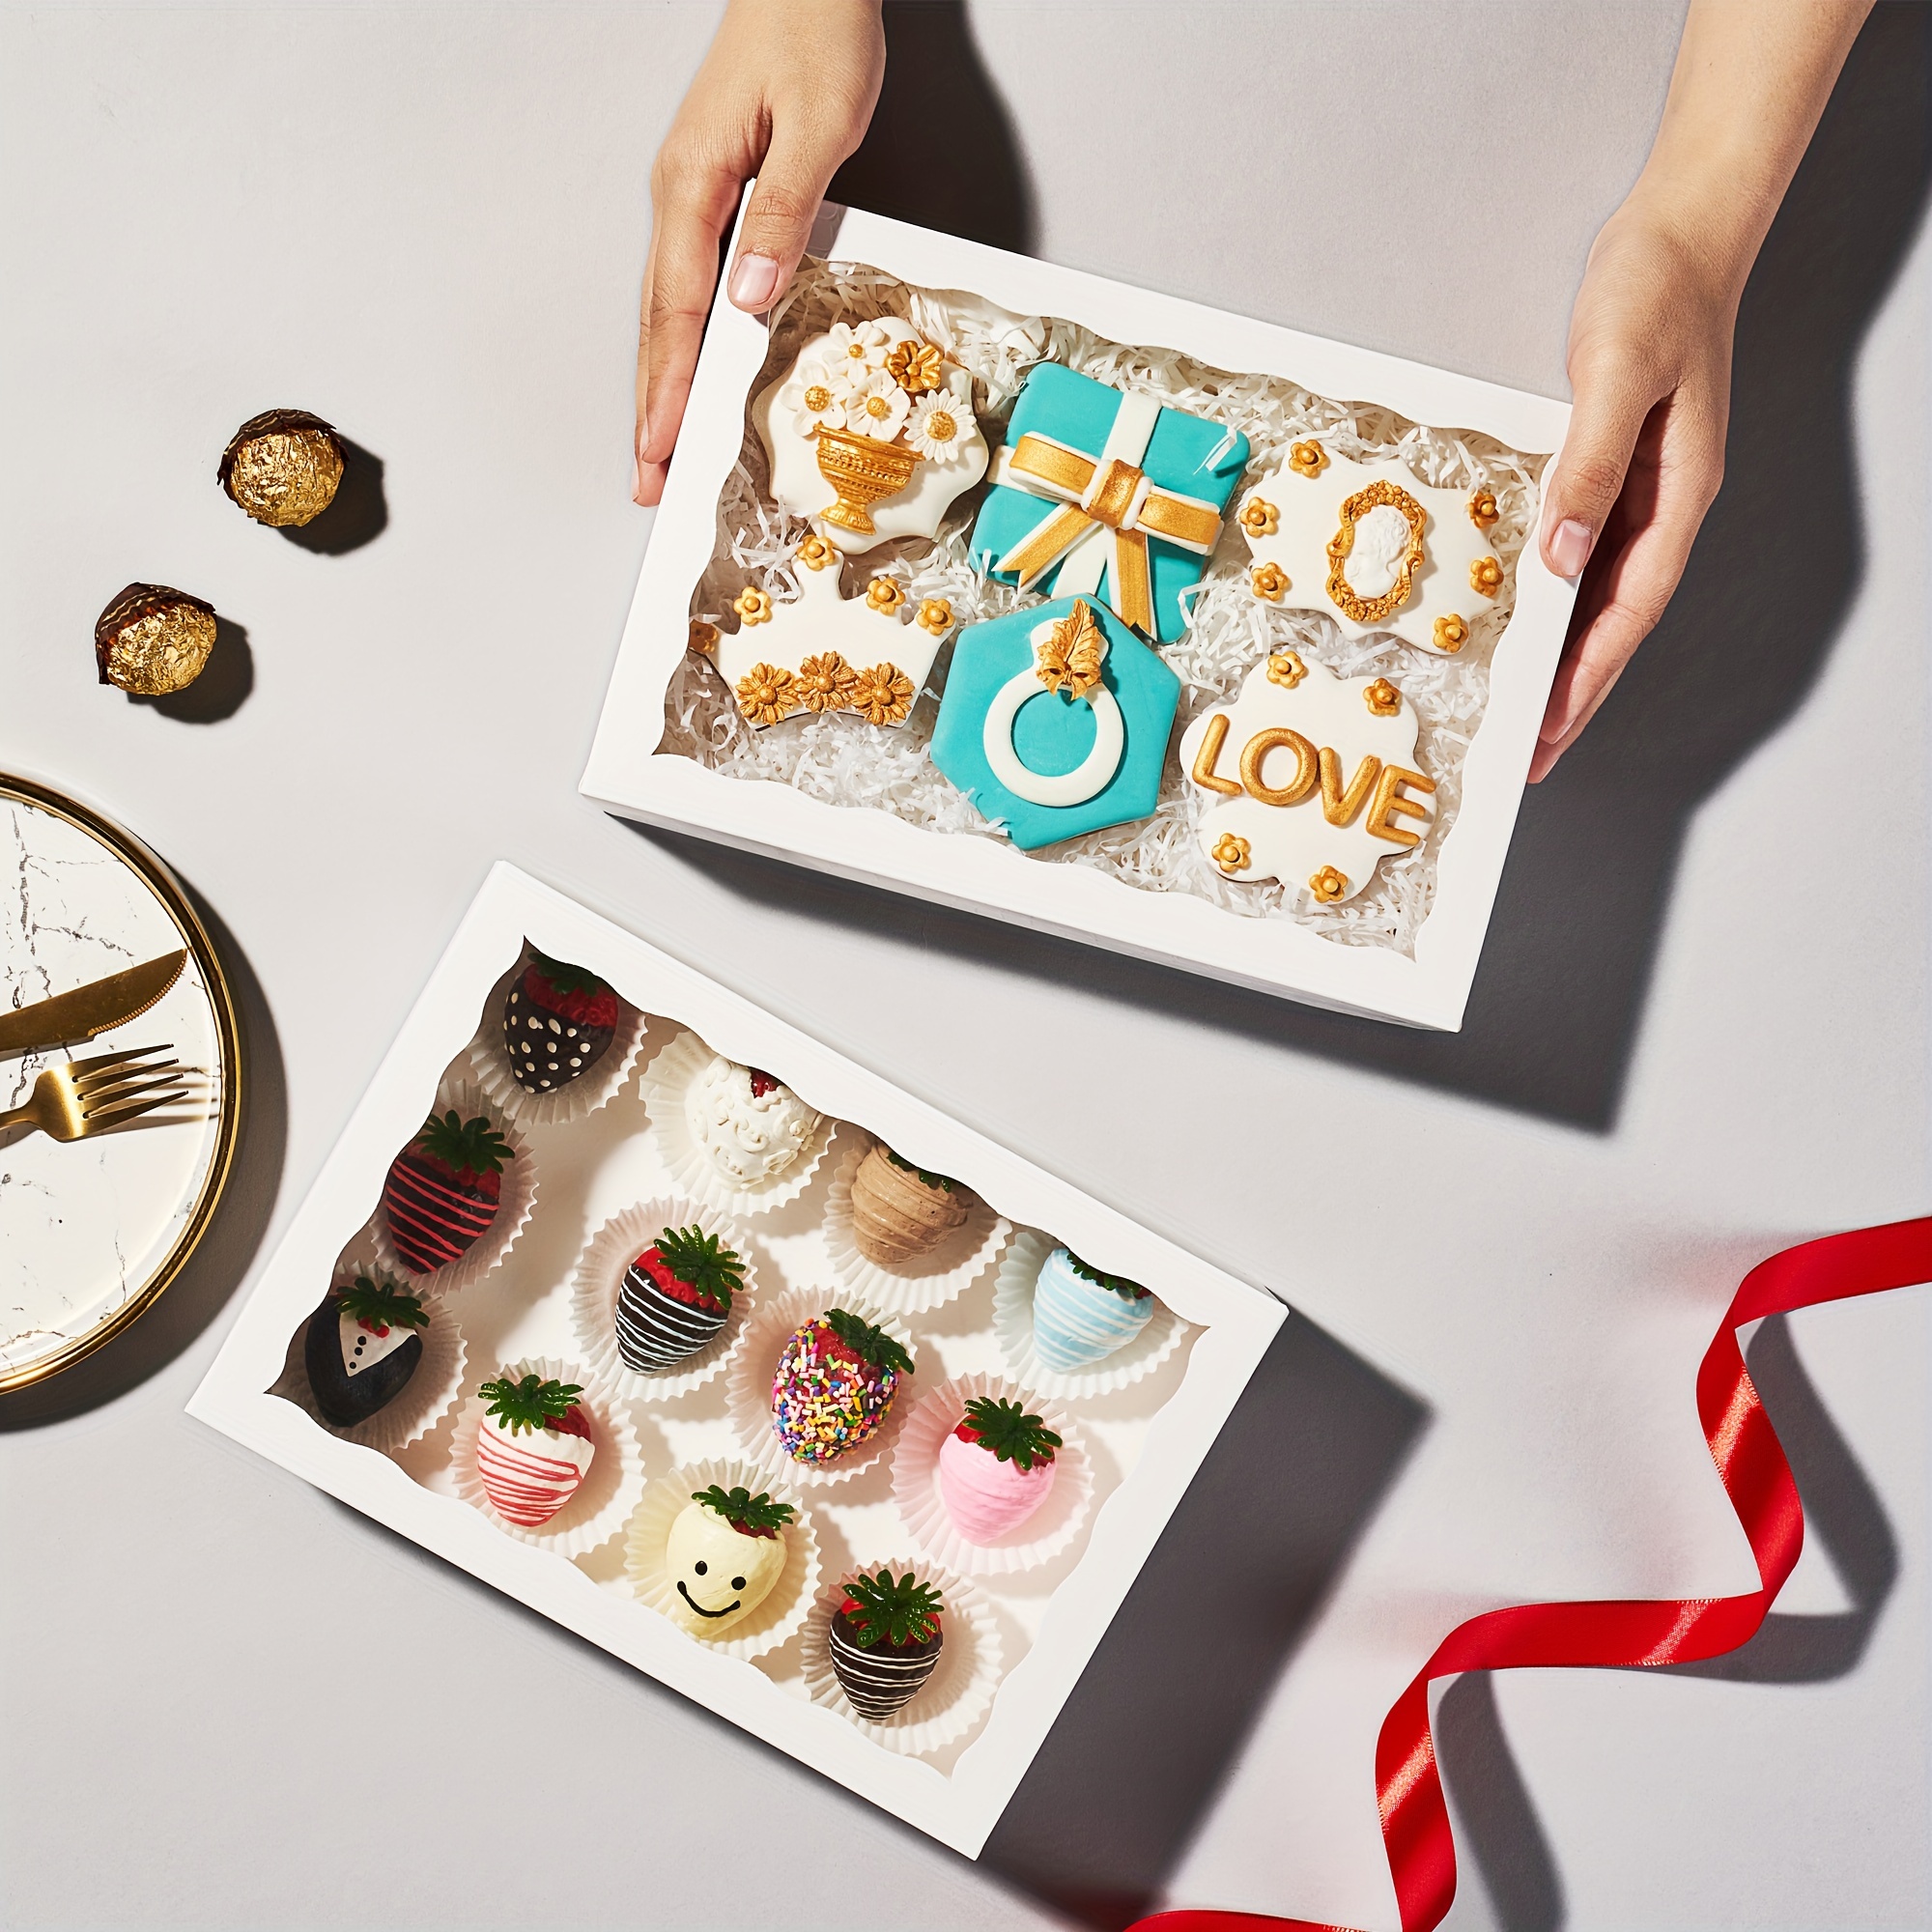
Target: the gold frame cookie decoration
(824, 651)
(1310, 778)
(1303, 521)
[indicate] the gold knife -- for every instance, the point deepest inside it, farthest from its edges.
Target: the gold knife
(90, 1009)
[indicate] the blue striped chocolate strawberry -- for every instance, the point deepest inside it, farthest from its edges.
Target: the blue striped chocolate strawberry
(557, 1023)
(885, 1640)
(363, 1345)
(444, 1190)
(674, 1297)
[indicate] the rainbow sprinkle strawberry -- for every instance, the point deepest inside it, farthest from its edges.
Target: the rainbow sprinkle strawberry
(444, 1190)
(363, 1345)
(996, 1469)
(557, 1023)
(674, 1297)
(533, 1448)
(835, 1383)
(885, 1640)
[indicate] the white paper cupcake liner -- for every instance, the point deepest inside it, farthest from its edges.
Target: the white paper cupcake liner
(748, 1386)
(600, 1270)
(926, 1280)
(952, 1699)
(775, 1621)
(1044, 1534)
(425, 1399)
(664, 1083)
(514, 1203)
(582, 1097)
(1013, 1324)
(608, 1492)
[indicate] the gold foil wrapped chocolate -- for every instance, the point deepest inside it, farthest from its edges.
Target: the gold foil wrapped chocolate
(283, 467)
(151, 640)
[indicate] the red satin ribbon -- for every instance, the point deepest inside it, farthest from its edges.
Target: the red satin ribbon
(1409, 1786)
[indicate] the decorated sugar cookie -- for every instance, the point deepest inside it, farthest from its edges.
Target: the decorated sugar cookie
(1055, 721)
(870, 434)
(825, 651)
(1372, 546)
(1310, 777)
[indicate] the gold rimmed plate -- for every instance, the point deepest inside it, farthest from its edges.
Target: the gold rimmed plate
(92, 1231)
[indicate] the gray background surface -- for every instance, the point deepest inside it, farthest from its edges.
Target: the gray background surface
(1700, 1032)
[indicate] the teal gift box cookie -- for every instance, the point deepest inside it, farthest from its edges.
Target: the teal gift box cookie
(1101, 493)
(1055, 721)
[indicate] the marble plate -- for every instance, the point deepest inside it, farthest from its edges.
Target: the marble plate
(92, 1231)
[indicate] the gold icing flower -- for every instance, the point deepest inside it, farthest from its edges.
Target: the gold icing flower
(1452, 633)
(703, 637)
(825, 683)
(765, 694)
(1328, 885)
(882, 695)
(1259, 518)
(1486, 575)
(884, 595)
(1307, 459)
(753, 605)
(914, 366)
(1270, 582)
(1381, 698)
(814, 553)
(1286, 669)
(1483, 511)
(1071, 656)
(935, 613)
(1230, 854)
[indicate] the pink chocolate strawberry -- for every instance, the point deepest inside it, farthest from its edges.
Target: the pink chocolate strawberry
(444, 1190)
(995, 1470)
(533, 1448)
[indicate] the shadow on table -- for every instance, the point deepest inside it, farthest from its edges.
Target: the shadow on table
(224, 1254)
(224, 685)
(1557, 1002)
(1137, 1755)
(358, 514)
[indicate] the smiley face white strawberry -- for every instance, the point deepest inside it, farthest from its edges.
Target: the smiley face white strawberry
(724, 1555)
(996, 1469)
(533, 1448)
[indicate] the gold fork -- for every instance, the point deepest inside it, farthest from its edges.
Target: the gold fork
(88, 1096)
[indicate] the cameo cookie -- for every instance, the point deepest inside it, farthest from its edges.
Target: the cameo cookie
(1309, 778)
(1372, 548)
(884, 1639)
(870, 434)
(724, 1555)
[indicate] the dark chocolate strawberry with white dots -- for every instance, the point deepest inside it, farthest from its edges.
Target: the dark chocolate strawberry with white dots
(363, 1345)
(558, 1022)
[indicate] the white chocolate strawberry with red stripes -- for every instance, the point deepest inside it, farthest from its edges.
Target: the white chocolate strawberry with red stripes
(533, 1448)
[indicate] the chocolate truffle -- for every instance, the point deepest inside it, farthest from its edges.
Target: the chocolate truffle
(150, 640)
(283, 467)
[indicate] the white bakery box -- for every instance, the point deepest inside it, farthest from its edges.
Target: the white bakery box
(1024, 1610)
(857, 798)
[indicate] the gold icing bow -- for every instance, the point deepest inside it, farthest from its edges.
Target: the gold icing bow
(1113, 495)
(1070, 654)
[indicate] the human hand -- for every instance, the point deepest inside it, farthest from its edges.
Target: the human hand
(1650, 367)
(785, 94)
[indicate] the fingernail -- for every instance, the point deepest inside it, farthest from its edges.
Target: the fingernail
(1570, 547)
(755, 280)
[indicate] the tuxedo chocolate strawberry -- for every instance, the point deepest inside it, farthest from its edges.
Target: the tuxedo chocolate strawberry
(885, 1640)
(835, 1383)
(674, 1297)
(444, 1190)
(726, 1553)
(363, 1345)
(996, 1469)
(533, 1447)
(557, 1023)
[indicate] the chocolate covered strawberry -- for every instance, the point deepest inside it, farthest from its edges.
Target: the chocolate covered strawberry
(674, 1297)
(726, 1553)
(557, 1023)
(444, 1190)
(533, 1447)
(900, 1211)
(885, 1640)
(996, 1469)
(363, 1344)
(835, 1383)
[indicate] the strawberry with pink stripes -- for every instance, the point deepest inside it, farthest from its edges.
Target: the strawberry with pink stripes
(444, 1190)
(533, 1448)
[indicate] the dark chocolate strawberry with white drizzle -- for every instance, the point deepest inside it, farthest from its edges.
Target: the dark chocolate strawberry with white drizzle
(674, 1297)
(557, 1023)
(444, 1190)
(885, 1640)
(363, 1345)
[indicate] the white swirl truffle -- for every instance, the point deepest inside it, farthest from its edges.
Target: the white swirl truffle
(754, 1128)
